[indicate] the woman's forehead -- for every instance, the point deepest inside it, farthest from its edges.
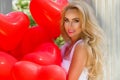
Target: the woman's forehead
(72, 13)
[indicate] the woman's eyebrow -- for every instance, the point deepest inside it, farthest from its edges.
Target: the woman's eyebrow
(72, 19)
(76, 18)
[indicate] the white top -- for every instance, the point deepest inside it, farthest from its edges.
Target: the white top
(66, 62)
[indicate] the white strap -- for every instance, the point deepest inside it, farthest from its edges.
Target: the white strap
(72, 51)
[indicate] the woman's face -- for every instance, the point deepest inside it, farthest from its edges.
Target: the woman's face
(72, 23)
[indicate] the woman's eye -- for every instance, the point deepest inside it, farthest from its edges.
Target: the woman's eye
(66, 20)
(76, 21)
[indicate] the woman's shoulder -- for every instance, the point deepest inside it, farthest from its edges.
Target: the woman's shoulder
(78, 47)
(79, 43)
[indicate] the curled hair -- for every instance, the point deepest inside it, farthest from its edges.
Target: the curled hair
(92, 35)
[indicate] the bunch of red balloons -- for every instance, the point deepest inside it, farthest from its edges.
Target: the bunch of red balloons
(29, 53)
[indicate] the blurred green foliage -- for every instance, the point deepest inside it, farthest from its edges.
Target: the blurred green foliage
(23, 5)
(59, 41)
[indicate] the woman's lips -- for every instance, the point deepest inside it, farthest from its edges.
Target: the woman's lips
(71, 31)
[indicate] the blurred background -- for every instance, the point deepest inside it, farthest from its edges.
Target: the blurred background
(108, 14)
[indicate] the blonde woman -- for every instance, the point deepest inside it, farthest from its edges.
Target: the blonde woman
(82, 51)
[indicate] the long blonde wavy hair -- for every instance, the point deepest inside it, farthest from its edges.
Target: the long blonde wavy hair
(92, 35)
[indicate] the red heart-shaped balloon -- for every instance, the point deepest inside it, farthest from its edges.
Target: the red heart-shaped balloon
(25, 70)
(12, 28)
(42, 58)
(6, 64)
(51, 72)
(33, 38)
(45, 54)
(47, 13)
(53, 49)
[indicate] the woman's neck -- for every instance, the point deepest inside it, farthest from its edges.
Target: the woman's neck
(74, 40)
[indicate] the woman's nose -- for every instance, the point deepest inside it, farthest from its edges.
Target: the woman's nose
(70, 24)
